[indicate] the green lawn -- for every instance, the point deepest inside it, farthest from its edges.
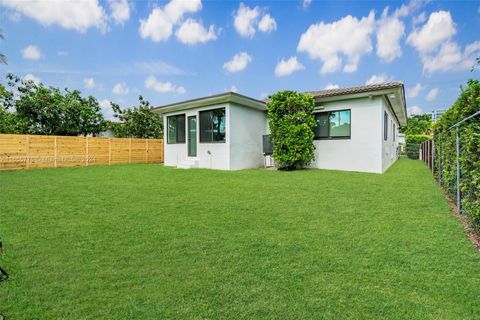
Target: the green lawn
(150, 242)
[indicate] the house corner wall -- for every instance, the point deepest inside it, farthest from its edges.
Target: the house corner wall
(247, 126)
(362, 152)
(390, 145)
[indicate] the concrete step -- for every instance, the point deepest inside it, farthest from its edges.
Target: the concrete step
(187, 164)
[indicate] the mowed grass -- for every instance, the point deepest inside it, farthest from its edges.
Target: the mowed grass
(151, 242)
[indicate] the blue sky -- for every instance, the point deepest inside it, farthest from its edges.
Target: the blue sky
(175, 50)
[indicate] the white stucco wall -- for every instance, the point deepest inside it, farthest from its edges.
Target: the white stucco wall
(389, 146)
(247, 126)
(362, 152)
(209, 155)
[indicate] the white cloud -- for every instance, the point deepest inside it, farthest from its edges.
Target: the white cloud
(233, 88)
(450, 57)
(155, 67)
(432, 94)
(376, 79)
(238, 62)
(14, 16)
(389, 33)
(107, 110)
(414, 110)
(163, 87)
(31, 77)
(438, 29)
(245, 20)
(62, 53)
(435, 45)
(287, 67)
(89, 83)
(181, 90)
(120, 88)
(348, 36)
(31, 52)
(120, 10)
(421, 18)
(76, 15)
(267, 24)
(306, 3)
(159, 24)
(331, 86)
(192, 32)
(414, 91)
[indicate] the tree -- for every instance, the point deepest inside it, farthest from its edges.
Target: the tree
(3, 59)
(139, 122)
(50, 111)
(291, 123)
(418, 124)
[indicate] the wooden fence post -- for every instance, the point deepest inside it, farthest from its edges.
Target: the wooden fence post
(130, 151)
(86, 151)
(146, 150)
(55, 151)
(27, 150)
(109, 151)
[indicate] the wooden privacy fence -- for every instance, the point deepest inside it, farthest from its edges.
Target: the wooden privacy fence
(33, 151)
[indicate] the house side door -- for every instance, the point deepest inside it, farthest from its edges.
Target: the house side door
(192, 136)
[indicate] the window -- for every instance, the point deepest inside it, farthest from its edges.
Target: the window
(385, 126)
(176, 129)
(394, 132)
(212, 125)
(332, 125)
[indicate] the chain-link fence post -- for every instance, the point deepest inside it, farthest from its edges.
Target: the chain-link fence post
(458, 172)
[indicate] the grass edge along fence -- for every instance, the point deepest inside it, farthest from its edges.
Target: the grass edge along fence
(453, 157)
(40, 151)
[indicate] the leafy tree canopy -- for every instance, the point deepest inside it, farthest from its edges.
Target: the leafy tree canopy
(138, 122)
(418, 124)
(36, 109)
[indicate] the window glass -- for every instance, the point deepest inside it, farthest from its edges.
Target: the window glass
(176, 129)
(333, 124)
(321, 130)
(340, 123)
(385, 126)
(212, 125)
(172, 129)
(181, 128)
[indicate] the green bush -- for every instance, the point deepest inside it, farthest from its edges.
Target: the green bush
(413, 142)
(445, 151)
(412, 150)
(417, 138)
(292, 122)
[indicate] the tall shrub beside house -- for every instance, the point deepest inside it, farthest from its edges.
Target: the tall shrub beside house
(413, 142)
(418, 129)
(445, 150)
(292, 122)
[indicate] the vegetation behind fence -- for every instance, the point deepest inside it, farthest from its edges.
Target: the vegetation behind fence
(459, 164)
(39, 151)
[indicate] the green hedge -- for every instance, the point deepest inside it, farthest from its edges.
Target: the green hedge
(413, 142)
(445, 151)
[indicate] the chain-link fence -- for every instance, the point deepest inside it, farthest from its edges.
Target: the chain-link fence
(453, 155)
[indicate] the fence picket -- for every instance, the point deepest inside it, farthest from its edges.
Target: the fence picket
(25, 151)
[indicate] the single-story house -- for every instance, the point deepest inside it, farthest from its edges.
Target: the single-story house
(357, 129)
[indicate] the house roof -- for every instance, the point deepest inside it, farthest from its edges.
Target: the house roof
(225, 97)
(355, 90)
(393, 94)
